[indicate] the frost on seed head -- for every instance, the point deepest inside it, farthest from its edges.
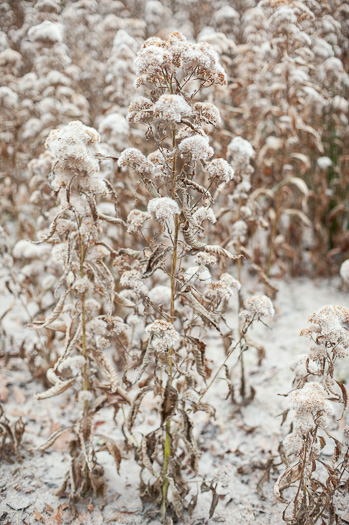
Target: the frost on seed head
(310, 400)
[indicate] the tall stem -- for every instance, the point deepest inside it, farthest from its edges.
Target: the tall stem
(242, 367)
(83, 321)
(167, 446)
(84, 345)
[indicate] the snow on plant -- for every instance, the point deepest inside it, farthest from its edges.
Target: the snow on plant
(85, 286)
(314, 479)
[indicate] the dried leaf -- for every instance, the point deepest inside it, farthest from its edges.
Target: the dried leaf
(54, 315)
(57, 389)
(156, 260)
(218, 250)
(206, 316)
(176, 498)
(51, 439)
(169, 402)
(113, 450)
(136, 403)
(289, 476)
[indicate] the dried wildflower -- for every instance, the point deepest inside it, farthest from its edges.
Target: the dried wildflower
(163, 208)
(135, 220)
(209, 113)
(133, 279)
(204, 259)
(329, 324)
(82, 285)
(310, 399)
(102, 342)
(163, 334)
(140, 110)
(241, 148)
(258, 306)
(204, 214)
(160, 294)
(230, 280)
(197, 147)
(205, 60)
(218, 290)
(172, 107)
(239, 231)
(74, 147)
(220, 169)
(133, 158)
(197, 273)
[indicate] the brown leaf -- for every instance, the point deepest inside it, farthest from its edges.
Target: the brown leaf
(169, 402)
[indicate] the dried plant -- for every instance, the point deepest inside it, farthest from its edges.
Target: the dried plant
(84, 287)
(316, 480)
(182, 180)
(10, 437)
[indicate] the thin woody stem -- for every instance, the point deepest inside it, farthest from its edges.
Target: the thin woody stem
(167, 446)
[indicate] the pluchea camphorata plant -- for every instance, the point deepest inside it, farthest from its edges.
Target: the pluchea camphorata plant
(315, 480)
(86, 288)
(180, 178)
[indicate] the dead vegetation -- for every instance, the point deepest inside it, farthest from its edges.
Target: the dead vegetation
(176, 171)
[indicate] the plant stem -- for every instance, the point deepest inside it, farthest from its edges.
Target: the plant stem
(167, 445)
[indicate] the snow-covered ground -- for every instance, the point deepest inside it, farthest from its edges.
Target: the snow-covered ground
(236, 446)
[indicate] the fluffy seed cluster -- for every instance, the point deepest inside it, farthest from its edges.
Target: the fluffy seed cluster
(257, 307)
(163, 334)
(329, 328)
(133, 279)
(135, 220)
(74, 148)
(220, 169)
(311, 409)
(204, 259)
(204, 214)
(239, 231)
(196, 147)
(163, 208)
(172, 107)
(140, 110)
(158, 59)
(207, 112)
(133, 158)
(222, 289)
(160, 294)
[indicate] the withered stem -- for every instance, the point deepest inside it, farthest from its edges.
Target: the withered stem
(167, 445)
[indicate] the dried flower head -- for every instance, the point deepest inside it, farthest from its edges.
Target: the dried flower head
(172, 107)
(163, 208)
